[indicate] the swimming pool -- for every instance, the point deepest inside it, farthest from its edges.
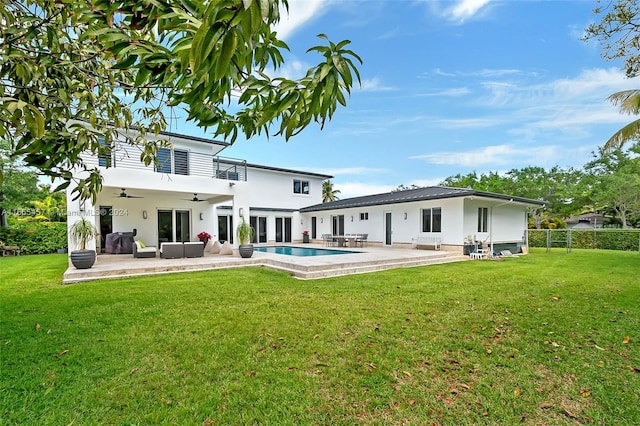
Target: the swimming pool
(301, 251)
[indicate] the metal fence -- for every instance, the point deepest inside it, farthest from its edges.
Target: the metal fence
(604, 239)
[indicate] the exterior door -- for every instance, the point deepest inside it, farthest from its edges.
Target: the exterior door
(387, 229)
(106, 224)
(338, 225)
(259, 225)
(225, 229)
(283, 229)
(174, 225)
(314, 228)
(183, 227)
(165, 226)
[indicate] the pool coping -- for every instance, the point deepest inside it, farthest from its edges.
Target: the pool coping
(358, 261)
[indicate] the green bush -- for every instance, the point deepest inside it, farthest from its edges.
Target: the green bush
(36, 237)
(605, 239)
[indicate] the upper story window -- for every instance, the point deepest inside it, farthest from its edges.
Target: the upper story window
(300, 186)
(364, 216)
(483, 213)
(104, 154)
(432, 220)
(179, 165)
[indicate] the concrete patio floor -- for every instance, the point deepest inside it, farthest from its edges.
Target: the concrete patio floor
(368, 259)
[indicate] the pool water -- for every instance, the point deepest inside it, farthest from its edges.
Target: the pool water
(301, 251)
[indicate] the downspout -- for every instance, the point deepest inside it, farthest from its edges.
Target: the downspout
(491, 223)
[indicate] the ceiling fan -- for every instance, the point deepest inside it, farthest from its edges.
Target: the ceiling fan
(123, 194)
(195, 199)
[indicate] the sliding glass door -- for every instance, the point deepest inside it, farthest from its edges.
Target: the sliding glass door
(174, 226)
(225, 228)
(283, 229)
(259, 225)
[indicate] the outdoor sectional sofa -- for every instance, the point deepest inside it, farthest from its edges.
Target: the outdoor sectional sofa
(143, 251)
(178, 250)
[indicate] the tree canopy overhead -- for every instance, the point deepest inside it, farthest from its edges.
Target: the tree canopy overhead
(619, 36)
(119, 64)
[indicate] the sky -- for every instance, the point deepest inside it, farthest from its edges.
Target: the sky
(448, 87)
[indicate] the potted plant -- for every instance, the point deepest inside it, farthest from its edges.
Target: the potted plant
(81, 233)
(305, 236)
(245, 235)
(204, 236)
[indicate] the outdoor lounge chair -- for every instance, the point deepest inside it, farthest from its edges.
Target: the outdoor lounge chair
(139, 250)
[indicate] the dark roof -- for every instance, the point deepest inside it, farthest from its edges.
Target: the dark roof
(299, 172)
(411, 195)
(194, 138)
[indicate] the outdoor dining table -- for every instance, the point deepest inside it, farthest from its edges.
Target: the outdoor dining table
(348, 240)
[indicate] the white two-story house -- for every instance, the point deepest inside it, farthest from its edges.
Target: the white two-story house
(192, 190)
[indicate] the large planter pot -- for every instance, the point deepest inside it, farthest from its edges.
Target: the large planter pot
(83, 259)
(246, 250)
(305, 238)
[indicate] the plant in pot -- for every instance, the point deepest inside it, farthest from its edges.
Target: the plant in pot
(245, 235)
(81, 233)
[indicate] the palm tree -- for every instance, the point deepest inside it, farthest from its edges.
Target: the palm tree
(328, 193)
(629, 102)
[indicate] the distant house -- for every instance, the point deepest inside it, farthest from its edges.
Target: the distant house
(586, 221)
(456, 216)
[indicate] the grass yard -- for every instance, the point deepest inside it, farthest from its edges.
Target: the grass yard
(542, 339)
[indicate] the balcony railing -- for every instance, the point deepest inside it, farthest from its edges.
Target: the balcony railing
(176, 161)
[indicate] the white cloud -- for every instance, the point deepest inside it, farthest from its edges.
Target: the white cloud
(374, 85)
(300, 12)
(465, 9)
(292, 69)
(358, 189)
(352, 171)
(468, 123)
(452, 92)
(492, 155)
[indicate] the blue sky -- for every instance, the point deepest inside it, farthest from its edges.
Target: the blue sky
(448, 87)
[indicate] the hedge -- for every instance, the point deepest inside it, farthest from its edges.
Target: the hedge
(605, 239)
(36, 237)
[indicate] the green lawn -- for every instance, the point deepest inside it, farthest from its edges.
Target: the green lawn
(542, 339)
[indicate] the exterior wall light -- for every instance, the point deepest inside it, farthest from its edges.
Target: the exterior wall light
(144, 214)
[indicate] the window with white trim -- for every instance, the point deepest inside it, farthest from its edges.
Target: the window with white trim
(483, 214)
(300, 186)
(432, 219)
(364, 216)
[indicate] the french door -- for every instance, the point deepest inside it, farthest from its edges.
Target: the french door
(283, 229)
(259, 225)
(174, 226)
(225, 229)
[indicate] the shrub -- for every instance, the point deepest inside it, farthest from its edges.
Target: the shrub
(36, 237)
(605, 239)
